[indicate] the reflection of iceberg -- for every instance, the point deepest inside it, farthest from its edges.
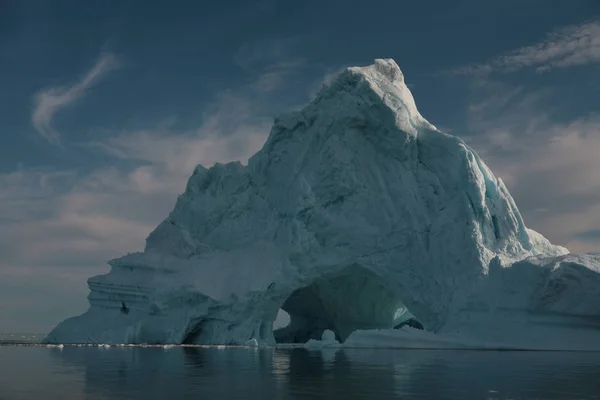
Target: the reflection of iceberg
(181, 373)
(482, 374)
(355, 208)
(178, 373)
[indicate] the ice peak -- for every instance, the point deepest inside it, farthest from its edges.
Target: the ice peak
(387, 68)
(381, 82)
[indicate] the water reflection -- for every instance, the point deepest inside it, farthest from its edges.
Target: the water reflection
(250, 373)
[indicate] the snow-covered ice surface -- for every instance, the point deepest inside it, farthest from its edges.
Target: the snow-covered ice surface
(357, 214)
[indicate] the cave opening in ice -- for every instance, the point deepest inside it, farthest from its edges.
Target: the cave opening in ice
(282, 320)
(356, 298)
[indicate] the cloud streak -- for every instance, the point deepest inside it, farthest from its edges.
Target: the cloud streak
(59, 227)
(49, 101)
(263, 53)
(571, 46)
(551, 168)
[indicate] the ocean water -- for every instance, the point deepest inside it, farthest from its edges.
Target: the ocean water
(39, 372)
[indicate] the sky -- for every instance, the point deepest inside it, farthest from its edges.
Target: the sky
(106, 106)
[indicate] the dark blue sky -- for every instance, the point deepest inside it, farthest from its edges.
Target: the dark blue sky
(106, 106)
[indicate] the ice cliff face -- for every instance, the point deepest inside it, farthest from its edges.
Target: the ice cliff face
(355, 208)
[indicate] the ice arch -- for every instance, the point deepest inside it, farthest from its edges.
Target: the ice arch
(355, 298)
(341, 299)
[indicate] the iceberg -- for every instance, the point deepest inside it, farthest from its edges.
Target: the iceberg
(356, 216)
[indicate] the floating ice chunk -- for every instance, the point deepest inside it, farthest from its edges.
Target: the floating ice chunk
(327, 341)
(328, 336)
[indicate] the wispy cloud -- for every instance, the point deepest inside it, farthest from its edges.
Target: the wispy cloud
(571, 46)
(62, 226)
(270, 62)
(328, 77)
(261, 53)
(48, 101)
(274, 76)
(550, 167)
(59, 227)
(233, 129)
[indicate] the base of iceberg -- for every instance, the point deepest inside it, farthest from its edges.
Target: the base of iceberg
(519, 338)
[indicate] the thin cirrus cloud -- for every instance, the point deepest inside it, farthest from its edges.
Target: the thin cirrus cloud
(49, 101)
(70, 222)
(273, 58)
(549, 167)
(571, 46)
(60, 227)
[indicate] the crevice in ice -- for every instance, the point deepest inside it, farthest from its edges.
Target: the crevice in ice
(496, 227)
(411, 322)
(196, 330)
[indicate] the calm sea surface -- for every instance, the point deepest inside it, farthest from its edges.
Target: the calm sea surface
(35, 372)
